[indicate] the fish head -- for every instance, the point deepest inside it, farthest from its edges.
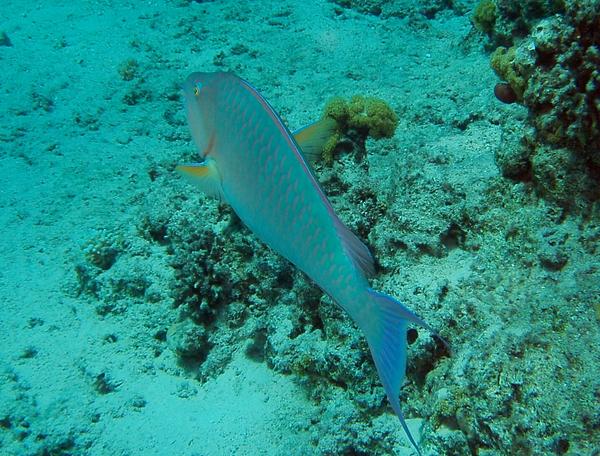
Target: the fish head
(200, 92)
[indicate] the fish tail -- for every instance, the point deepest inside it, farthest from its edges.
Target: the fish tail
(386, 335)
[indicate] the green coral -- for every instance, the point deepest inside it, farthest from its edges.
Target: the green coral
(367, 116)
(484, 16)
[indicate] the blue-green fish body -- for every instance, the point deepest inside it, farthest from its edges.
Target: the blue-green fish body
(253, 162)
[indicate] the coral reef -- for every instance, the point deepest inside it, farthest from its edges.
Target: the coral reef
(507, 21)
(229, 292)
(404, 8)
(552, 65)
(504, 62)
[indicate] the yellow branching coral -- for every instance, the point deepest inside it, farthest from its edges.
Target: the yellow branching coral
(367, 116)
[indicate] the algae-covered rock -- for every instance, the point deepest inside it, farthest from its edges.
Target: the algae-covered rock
(507, 21)
(513, 156)
(553, 68)
(512, 70)
(553, 255)
(559, 174)
(187, 339)
(484, 16)
(550, 36)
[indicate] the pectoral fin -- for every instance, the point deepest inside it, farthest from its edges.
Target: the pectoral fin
(205, 176)
(313, 137)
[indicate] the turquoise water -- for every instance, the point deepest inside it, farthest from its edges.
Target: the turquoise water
(140, 317)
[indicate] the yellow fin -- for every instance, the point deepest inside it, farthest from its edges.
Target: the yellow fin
(204, 175)
(313, 137)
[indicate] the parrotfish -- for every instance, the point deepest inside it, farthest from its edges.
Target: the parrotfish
(254, 163)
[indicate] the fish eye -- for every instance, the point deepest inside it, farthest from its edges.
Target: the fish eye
(197, 88)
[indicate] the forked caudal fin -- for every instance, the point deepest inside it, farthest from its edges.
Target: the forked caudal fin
(386, 335)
